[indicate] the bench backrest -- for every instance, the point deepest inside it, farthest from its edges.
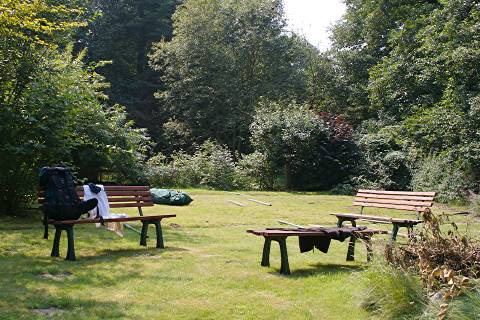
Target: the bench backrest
(400, 200)
(119, 196)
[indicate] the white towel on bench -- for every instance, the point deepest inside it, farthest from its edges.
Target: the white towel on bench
(103, 208)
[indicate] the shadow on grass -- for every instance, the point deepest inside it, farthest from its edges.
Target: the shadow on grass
(35, 304)
(321, 269)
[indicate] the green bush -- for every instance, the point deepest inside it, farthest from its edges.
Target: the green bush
(253, 172)
(442, 175)
(211, 166)
(310, 150)
(383, 164)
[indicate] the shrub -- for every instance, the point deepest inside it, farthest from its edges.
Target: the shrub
(253, 171)
(313, 151)
(383, 164)
(58, 118)
(442, 175)
(211, 166)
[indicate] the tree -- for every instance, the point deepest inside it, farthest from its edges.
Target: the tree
(360, 40)
(123, 33)
(224, 56)
(314, 151)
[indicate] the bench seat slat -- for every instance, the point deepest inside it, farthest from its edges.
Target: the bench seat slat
(129, 199)
(354, 216)
(85, 221)
(390, 201)
(132, 200)
(122, 193)
(389, 206)
(135, 204)
(395, 197)
(406, 193)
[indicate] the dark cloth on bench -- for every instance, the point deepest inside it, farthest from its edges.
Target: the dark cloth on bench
(322, 243)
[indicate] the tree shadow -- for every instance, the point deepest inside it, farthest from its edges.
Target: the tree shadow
(36, 304)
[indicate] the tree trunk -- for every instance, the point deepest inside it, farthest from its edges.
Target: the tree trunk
(288, 175)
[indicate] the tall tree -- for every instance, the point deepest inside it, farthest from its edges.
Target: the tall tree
(123, 33)
(360, 41)
(224, 56)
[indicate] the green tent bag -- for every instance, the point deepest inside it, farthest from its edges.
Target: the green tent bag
(170, 197)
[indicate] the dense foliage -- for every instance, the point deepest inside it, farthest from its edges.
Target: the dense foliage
(123, 32)
(303, 144)
(394, 104)
(52, 109)
(224, 56)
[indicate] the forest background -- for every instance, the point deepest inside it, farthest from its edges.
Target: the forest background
(219, 94)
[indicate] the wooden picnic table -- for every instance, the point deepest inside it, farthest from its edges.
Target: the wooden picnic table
(281, 234)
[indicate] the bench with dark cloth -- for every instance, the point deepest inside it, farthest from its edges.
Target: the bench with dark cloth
(118, 197)
(400, 200)
(309, 238)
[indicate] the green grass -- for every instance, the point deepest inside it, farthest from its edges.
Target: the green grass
(210, 268)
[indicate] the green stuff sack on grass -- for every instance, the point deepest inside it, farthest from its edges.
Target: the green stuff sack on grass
(170, 197)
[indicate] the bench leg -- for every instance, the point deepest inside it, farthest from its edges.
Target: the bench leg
(158, 228)
(71, 245)
(284, 267)
(394, 232)
(410, 232)
(56, 243)
(143, 235)
(351, 248)
(342, 220)
(266, 252)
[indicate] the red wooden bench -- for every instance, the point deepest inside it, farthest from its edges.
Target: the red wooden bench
(118, 197)
(400, 200)
(280, 235)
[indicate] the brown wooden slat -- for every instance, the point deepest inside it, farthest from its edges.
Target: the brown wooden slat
(396, 197)
(288, 233)
(122, 193)
(129, 199)
(139, 218)
(127, 188)
(406, 193)
(355, 216)
(388, 201)
(125, 205)
(389, 206)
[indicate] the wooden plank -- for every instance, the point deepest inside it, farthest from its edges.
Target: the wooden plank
(306, 233)
(136, 204)
(260, 202)
(355, 216)
(129, 199)
(123, 193)
(406, 193)
(139, 218)
(41, 192)
(237, 203)
(389, 206)
(121, 199)
(396, 197)
(388, 201)
(127, 188)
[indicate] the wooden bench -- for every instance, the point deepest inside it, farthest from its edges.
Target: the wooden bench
(400, 200)
(118, 197)
(280, 235)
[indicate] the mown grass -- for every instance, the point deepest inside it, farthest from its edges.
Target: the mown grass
(210, 268)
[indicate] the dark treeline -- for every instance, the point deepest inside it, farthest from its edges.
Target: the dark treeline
(231, 99)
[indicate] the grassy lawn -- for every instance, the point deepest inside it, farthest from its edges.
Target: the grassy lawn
(210, 268)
